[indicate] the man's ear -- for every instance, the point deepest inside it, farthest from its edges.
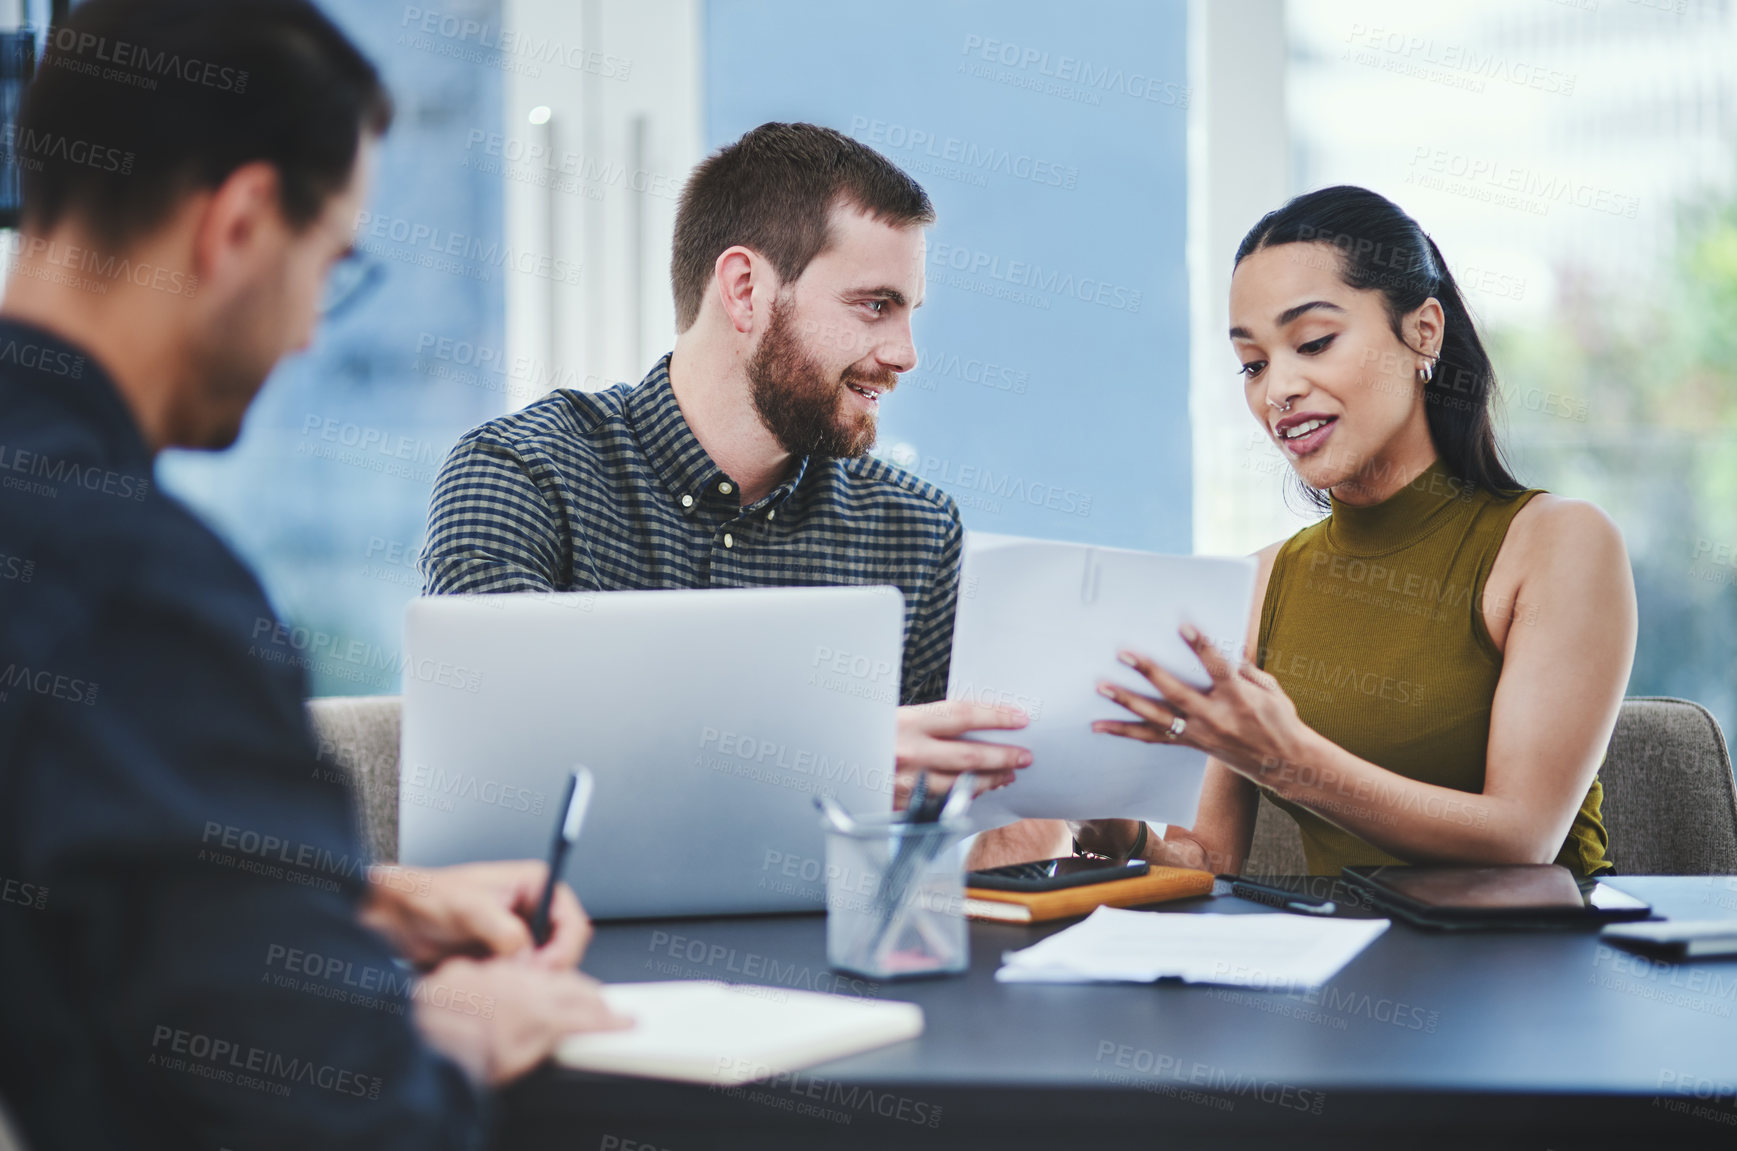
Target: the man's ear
(234, 218)
(735, 275)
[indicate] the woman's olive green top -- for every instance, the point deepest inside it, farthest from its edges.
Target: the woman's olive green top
(1373, 625)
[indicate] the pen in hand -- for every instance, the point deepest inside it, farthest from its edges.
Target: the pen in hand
(566, 832)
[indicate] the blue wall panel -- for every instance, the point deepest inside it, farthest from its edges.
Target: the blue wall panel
(1052, 396)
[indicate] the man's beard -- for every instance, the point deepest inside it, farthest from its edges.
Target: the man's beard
(806, 411)
(231, 368)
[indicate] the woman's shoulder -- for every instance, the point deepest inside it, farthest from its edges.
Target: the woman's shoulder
(1298, 540)
(1554, 520)
(1559, 534)
(1279, 552)
(1264, 560)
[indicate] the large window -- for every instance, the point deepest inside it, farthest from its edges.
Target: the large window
(1576, 161)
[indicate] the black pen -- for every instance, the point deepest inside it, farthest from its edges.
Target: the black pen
(923, 806)
(1280, 898)
(566, 832)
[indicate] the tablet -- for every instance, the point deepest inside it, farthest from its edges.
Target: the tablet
(1682, 939)
(1516, 897)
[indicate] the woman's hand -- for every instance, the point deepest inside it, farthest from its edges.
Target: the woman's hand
(1244, 719)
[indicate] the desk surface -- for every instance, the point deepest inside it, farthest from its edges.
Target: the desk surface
(1526, 1040)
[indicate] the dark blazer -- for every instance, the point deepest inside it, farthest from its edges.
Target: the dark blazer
(181, 963)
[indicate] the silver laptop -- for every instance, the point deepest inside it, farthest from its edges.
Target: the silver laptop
(709, 718)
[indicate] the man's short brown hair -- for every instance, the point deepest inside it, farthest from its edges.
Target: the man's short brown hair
(772, 191)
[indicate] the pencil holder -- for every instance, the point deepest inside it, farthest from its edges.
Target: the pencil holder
(895, 898)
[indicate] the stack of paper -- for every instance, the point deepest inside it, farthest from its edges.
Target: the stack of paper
(1039, 624)
(1273, 952)
(717, 1033)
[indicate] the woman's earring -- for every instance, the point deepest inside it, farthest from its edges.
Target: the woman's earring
(1427, 372)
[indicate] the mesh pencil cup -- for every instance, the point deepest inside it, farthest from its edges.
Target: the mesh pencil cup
(895, 898)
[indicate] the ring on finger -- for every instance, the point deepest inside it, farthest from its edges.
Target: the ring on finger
(1178, 725)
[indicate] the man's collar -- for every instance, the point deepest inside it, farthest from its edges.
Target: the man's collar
(687, 471)
(73, 378)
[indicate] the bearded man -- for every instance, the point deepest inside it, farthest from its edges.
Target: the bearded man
(741, 460)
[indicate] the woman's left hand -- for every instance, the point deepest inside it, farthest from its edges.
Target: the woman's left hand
(1244, 719)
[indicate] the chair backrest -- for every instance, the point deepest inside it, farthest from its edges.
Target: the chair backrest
(358, 737)
(1670, 804)
(1278, 845)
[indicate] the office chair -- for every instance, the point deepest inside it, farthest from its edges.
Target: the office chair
(1669, 802)
(358, 739)
(1277, 848)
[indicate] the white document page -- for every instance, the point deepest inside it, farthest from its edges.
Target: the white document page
(1040, 623)
(1273, 952)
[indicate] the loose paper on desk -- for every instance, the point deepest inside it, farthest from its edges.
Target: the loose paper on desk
(1274, 952)
(1040, 623)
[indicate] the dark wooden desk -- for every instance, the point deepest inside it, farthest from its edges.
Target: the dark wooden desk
(1473, 1042)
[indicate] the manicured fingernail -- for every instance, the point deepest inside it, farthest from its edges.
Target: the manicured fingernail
(1106, 691)
(1127, 657)
(1025, 759)
(1189, 634)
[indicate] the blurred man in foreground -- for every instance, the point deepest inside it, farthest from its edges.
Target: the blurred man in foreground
(194, 951)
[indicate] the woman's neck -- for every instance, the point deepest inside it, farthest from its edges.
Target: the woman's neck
(1404, 458)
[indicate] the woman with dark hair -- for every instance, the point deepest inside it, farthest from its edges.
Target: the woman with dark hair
(1435, 668)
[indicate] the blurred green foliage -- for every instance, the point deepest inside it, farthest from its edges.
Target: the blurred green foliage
(1626, 395)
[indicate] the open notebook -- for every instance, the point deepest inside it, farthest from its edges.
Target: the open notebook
(719, 1033)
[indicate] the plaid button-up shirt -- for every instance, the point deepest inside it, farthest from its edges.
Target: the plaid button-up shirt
(610, 491)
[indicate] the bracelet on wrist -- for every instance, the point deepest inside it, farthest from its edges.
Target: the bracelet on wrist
(1133, 852)
(1138, 851)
